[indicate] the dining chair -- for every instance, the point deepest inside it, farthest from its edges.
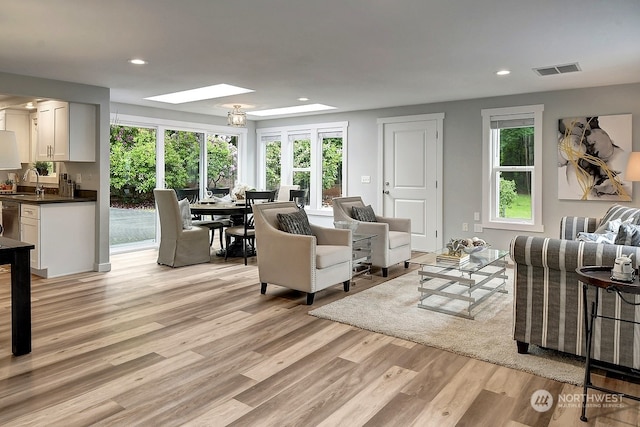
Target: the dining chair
(179, 245)
(299, 197)
(283, 192)
(193, 196)
(220, 192)
(246, 232)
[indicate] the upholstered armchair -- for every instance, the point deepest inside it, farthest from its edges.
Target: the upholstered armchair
(392, 243)
(179, 246)
(307, 263)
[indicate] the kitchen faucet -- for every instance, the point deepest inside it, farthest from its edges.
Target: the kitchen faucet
(39, 189)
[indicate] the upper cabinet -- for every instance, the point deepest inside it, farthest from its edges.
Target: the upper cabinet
(66, 132)
(18, 122)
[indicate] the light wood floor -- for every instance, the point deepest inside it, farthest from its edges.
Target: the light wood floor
(150, 345)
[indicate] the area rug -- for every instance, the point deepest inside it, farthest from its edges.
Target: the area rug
(391, 308)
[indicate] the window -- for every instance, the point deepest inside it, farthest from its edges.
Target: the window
(148, 153)
(512, 153)
(312, 157)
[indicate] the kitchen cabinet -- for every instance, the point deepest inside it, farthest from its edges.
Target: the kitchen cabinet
(63, 235)
(66, 132)
(18, 122)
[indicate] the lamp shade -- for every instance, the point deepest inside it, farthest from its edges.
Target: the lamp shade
(632, 173)
(9, 158)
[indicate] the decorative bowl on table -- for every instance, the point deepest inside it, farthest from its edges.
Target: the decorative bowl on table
(474, 245)
(346, 225)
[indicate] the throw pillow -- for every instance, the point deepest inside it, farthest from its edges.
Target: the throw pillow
(185, 213)
(613, 225)
(619, 212)
(365, 213)
(628, 234)
(609, 237)
(294, 222)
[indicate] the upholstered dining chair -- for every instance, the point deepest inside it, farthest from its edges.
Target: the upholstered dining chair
(180, 244)
(392, 241)
(311, 261)
(283, 192)
(246, 231)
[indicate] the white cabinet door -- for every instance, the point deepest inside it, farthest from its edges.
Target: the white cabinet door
(66, 131)
(45, 132)
(30, 233)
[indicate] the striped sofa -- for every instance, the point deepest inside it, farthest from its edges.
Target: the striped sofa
(548, 308)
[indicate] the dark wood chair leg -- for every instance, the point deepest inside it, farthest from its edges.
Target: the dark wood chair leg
(523, 347)
(263, 288)
(244, 250)
(226, 252)
(310, 298)
(406, 264)
(346, 284)
(221, 233)
(385, 272)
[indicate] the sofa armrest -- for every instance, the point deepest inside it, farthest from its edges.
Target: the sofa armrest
(570, 226)
(396, 224)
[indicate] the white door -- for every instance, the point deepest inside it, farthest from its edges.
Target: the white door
(412, 168)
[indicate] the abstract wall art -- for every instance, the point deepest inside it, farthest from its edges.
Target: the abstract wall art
(592, 155)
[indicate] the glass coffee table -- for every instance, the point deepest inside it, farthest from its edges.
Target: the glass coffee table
(458, 289)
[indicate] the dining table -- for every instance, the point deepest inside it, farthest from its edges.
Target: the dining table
(235, 210)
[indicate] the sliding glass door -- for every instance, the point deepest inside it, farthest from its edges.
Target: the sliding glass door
(144, 158)
(132, 219)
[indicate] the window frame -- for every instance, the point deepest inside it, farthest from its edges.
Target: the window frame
(286, 134)
(490, 184)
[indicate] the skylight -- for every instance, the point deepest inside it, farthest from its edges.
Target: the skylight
(291, 110)
(208, 92)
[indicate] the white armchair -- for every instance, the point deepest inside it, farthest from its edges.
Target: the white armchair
(179, 246)
(392, 243)
(302, 262)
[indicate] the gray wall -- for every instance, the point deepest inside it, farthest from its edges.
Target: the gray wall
(463, 150)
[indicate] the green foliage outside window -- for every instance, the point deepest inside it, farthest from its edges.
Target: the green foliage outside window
(508, 195)
(133, 161)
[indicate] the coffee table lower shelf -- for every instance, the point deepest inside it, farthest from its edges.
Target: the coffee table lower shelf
(466, 287)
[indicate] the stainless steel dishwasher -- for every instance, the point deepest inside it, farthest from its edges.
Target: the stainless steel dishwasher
(11, 220)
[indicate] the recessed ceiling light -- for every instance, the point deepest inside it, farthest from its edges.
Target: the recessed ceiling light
(137, 61)
(503, 72)
(291, 110)
(208, 92)
(303, 99)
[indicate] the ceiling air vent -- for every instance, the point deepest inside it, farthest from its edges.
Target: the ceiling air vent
(557, 69)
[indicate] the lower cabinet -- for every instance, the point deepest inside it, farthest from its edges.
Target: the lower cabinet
(63, 235)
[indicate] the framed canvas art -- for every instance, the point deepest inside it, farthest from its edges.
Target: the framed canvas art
(592, 155)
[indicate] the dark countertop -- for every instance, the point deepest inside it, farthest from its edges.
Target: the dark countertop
(30, 198)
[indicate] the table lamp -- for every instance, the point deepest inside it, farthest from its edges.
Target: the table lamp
(9, 158)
